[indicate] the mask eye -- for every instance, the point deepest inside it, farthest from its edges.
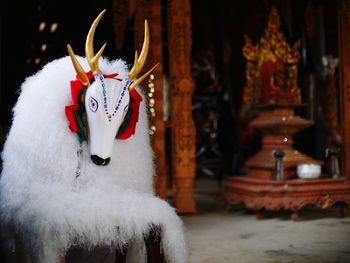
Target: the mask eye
(126, 109)
(93, 104)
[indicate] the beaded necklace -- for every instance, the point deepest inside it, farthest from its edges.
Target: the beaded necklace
(104, 92)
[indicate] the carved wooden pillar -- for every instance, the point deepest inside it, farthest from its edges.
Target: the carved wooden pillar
(151, 10)
(344, 66)
(158, 138)
(182, 87)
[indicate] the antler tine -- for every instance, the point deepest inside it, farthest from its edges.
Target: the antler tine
(78, 68)
(89, 46)
(135, 68)
(139, 62)
(95, 59)
(139, 80)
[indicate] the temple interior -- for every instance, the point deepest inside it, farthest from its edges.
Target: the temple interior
(249, 112)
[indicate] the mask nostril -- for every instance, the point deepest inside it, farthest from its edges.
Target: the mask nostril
(99, 161)
(106, 162)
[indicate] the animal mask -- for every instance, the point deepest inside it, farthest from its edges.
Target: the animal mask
(109, 103)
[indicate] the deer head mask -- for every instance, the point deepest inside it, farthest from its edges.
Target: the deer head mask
(106, 99)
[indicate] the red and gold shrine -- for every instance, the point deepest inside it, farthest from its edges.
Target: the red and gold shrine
(272, 89)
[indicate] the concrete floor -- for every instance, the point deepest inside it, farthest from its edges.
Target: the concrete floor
(215, 235)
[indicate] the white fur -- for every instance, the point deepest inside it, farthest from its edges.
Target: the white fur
(107, 205)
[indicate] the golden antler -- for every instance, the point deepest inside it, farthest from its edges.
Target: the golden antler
(93, 59)
(78, 69)
(89, 46)
(140, 61)
(89, 50)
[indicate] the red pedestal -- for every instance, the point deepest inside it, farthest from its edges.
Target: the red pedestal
(289, 195)
(278, 124)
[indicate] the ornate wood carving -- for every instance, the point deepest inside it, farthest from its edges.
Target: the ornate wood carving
(151, 10)
(272, 47)
(294, 194)
(278, 124)
(290, 195)
(272, 82)
(182, 87)
(344, 44)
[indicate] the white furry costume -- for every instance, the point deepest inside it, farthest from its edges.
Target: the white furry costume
(107, 205)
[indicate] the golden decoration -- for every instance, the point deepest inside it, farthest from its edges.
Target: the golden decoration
(89, 46)
(139, 80)
(271, 46)
(93, 59)
(78, 68)
(140, 61)
(89, 52)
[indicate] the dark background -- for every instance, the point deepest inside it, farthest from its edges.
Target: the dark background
(218, 65)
